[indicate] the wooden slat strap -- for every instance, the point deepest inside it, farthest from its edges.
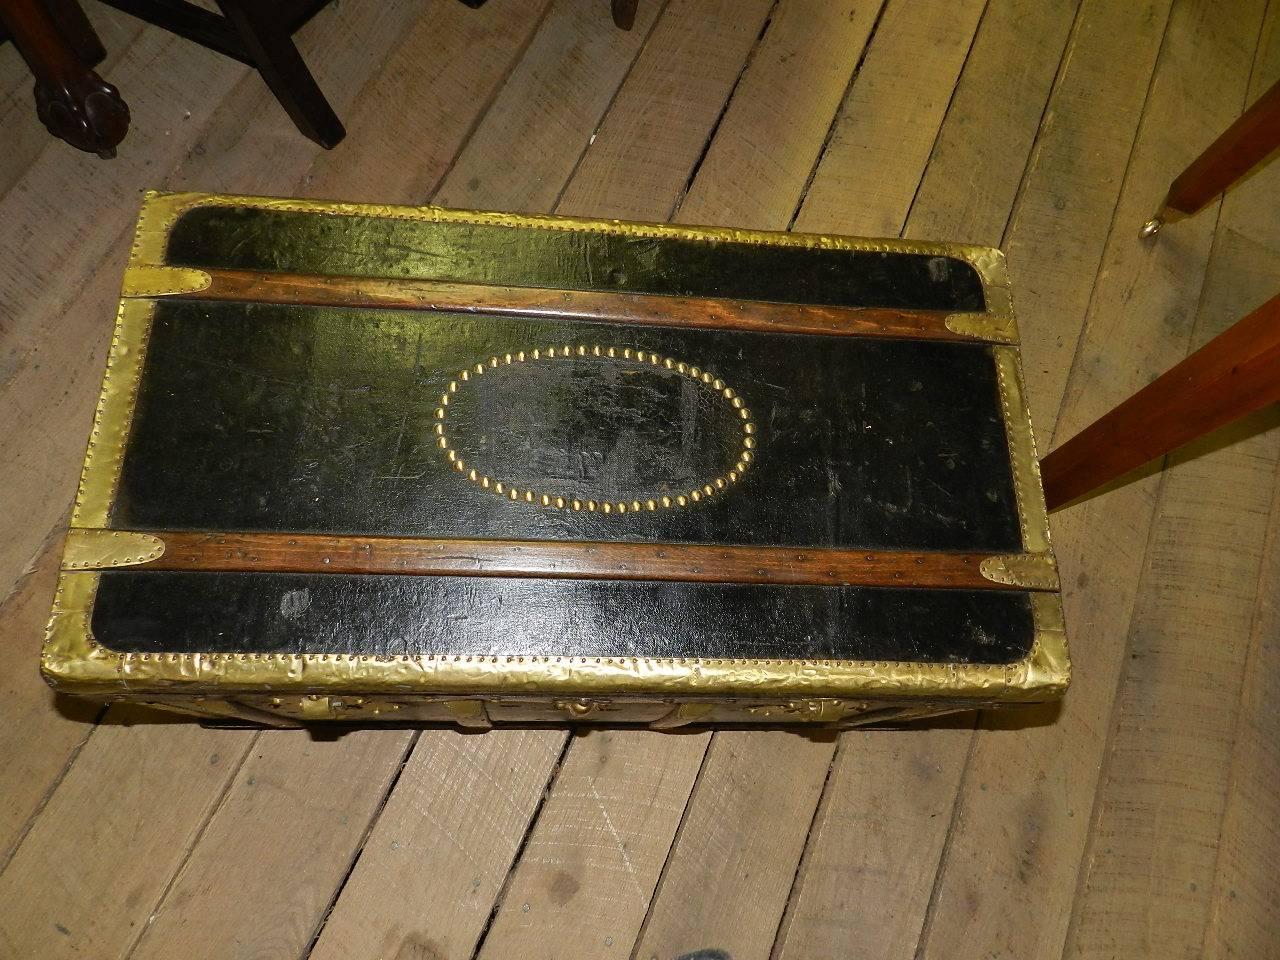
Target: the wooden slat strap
(324, 553)
(643, 309)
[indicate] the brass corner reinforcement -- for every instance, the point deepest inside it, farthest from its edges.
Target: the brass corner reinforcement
(1033, 571)
(996, 326)
(105, 549)
(142, 280)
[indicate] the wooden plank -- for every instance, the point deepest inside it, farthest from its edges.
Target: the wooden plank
(1244, 914)
(730, 870)
(292, 818)
(99, 856)
(40, 733)
(447, 67)
(1148, 880)
(116, 919)
(890, 119)
(670, 102)
(443, 844)
(542, 119)
(873, 850)
(1055, 244)
(779, 116)
(996, 115)
(602, 560)
(585, 877)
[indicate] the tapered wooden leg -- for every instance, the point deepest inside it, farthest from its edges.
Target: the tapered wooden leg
(72, 101)
(1232, 375)
(282, 67)
(1244, 145)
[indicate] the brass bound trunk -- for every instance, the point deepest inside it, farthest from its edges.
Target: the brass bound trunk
(370, 463)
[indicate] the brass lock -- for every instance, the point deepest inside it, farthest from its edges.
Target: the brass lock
(580, 707)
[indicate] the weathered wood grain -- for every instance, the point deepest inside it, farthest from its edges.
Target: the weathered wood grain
(444, 843)
(757, 166)
(584, 879)
(888, 123)
(548, 303)
(1148, 877)
(604, 560)
(39, 733)
(96, 860)
(731, 868)
(263, 872)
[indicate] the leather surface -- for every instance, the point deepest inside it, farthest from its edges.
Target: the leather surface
(153, 612)
(256, 417)
(254, 239)
(291, 418)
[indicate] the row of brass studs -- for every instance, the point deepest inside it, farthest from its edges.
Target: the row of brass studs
(560, 502)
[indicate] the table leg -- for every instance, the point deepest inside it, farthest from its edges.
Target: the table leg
(1242, 147)
(72, 101)
(1232, 375)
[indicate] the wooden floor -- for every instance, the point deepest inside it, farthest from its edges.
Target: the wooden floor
(1141, 819)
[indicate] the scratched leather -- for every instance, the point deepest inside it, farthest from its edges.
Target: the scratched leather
(389, 615)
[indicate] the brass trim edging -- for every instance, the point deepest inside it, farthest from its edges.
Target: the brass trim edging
(113, 415)
(1024, 463)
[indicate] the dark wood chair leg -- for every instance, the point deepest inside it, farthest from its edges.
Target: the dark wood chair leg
(624, 13)
(77, 30)
(72, 101)
(1232, 375)
(1244, 145)
(277, 58)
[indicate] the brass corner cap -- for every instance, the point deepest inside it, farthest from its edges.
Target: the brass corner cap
(996, 327)
(88, 549)
(141, 280)
(1033, 571)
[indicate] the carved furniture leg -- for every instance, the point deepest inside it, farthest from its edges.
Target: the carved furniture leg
(72, 101)
(1232, 375)
(1242, 147)
(271, 47)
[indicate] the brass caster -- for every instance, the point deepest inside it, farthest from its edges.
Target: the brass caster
(1151, 228)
